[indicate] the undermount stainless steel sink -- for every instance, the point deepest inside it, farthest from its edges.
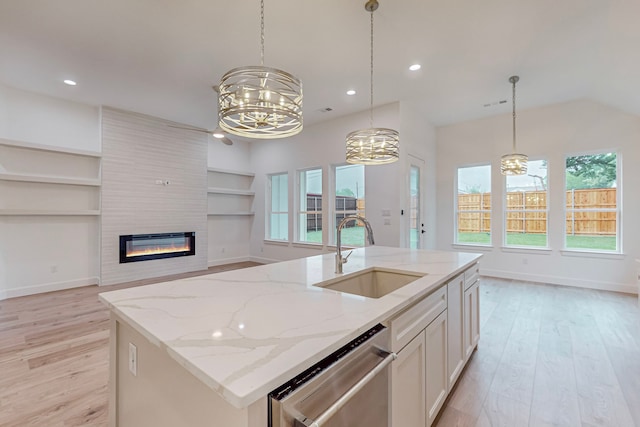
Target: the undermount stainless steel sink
(371, 283)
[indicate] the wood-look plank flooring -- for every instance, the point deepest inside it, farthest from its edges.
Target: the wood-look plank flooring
(54, 355)
(550, 356)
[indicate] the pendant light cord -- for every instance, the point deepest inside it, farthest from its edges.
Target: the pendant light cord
(262, 32)
(514, 115)
(371, 94)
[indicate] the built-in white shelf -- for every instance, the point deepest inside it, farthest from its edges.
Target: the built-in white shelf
(220, 190)
(47, 179)
(232, 172)
(31, 212)
(231, 213)
(43, 147)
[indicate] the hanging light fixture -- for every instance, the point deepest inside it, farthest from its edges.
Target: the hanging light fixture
(514, 163)
(258, 101)
(373, 146)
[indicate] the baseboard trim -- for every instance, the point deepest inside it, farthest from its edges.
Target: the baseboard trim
(47, 287)
(262, 260)
(564, 281)
(222, 261)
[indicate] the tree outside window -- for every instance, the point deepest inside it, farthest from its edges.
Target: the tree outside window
(592, 202)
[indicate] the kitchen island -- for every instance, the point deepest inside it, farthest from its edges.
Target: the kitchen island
(207, 350)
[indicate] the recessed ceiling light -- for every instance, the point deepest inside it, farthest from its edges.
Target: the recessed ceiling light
(415, 67)
(351, 92)
(70, 82)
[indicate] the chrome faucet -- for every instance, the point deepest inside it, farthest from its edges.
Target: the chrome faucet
(367, 226)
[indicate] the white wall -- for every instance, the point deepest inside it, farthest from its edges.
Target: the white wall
(40, 253)
(551, 133)
(138, 151)
(323, 145)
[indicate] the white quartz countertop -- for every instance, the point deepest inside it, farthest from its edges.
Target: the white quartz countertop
(246, 332)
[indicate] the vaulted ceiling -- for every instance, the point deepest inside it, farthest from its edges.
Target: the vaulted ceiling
(161, 57)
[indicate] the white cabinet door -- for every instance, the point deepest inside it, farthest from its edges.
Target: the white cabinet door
(455, 318)
(408, 400)
(471, 318)
(436, 366)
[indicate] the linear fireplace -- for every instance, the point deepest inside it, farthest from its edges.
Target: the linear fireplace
(144, 247)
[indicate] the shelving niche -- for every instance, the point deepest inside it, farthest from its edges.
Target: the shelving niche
(230, 214)
(229, 192)
(37, 180)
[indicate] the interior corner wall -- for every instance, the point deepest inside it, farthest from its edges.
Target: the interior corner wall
(549, 133)
(153, 181)
(41, 253)
(323, 145)
(418, 141)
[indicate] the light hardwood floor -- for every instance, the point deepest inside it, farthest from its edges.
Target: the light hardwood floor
(54, 351)
(548, 356)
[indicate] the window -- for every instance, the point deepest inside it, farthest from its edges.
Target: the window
(278, 217)
(526, 207)
(349, 200)
(310, 206)
(473, 213)
(592, 203)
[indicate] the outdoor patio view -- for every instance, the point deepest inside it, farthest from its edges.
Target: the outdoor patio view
(349, 200)
(591, 211)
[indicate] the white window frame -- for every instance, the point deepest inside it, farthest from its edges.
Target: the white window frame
(300, 189)
(457, 211)
(270, 211)
(333, 224)
(505, 211)
(617, 210)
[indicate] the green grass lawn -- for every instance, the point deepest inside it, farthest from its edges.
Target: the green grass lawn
(604, 243)
(351, 236)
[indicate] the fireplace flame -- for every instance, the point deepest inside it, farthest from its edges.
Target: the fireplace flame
(157, 250)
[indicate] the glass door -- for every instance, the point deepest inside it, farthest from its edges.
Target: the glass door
(416, 221)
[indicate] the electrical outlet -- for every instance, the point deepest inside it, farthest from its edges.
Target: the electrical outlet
(133, 359)
(525, 261)
(222, 250)
(54, 268)
(387, 221)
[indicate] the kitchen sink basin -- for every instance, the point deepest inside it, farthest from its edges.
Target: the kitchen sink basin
(371, 283)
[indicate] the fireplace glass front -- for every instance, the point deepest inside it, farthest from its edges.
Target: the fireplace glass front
(144, 247)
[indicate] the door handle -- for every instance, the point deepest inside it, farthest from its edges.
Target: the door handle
(344, 399)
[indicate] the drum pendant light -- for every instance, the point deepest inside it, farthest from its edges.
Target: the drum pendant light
(514, 163)
(372, 146)
(258, 101)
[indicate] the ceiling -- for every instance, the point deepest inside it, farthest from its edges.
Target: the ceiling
(161, 57)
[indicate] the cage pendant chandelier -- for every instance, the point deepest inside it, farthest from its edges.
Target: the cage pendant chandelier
(514, 163)
(372, 146)
(258, 101)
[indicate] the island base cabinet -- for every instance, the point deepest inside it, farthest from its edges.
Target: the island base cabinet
(471, 318)
(419, 377)
(408, 378)
(162, 393)
(436, 366)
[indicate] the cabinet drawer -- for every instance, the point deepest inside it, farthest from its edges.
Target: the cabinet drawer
(471, 275)
(411, 322)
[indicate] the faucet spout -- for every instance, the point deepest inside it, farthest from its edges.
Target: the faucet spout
(339, 259)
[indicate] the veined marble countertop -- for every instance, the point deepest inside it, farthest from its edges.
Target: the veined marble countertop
(246, 332)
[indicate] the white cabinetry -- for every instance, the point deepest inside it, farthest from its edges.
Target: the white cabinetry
(437, 386)
(455, 318)
(471, 329)
(433, 338)
(408, 384)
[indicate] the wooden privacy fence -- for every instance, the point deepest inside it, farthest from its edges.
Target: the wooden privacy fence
(526, 212)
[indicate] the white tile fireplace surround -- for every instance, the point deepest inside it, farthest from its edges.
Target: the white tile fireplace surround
(139, 151)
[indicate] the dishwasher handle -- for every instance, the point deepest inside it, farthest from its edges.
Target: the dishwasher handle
(344, 399)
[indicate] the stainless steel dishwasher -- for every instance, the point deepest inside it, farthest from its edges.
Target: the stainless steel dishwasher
(349, 388)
